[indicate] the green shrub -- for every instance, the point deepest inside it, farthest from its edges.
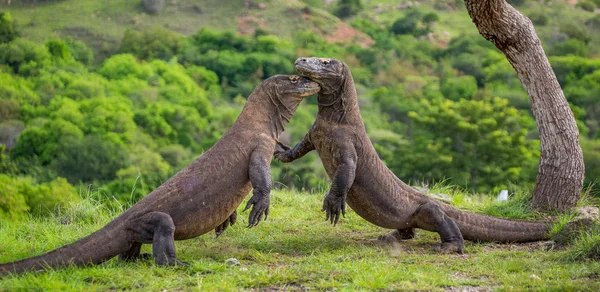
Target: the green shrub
(569, 47)
(7, 28)
(586, 5)
(539, 18)
(459, 87)
(21, 194)
(156, 43)
(347, 8)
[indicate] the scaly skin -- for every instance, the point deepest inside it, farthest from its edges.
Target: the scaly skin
(201, 197)
(359, 177)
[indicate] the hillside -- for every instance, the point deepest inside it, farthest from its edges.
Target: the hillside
(101, 24)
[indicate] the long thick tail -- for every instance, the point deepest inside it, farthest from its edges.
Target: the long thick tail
(477, 227)
(92, 249)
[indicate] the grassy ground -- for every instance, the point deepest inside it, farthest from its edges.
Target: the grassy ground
(295, 249)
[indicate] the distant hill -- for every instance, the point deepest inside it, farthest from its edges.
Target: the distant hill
(100, 24)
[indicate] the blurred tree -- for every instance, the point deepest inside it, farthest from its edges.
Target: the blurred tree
(347, 8)
(7, 28)
(156, 43)
(89, 159)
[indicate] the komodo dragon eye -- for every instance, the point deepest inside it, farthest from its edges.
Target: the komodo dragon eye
(294, 79)
(325, 61)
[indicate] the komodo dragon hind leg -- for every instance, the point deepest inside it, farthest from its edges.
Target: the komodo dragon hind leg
(398, 235)
(133, 254)
(228, 222)
(157, 228)
(430, 217)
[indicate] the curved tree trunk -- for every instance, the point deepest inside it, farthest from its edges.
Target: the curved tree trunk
(561, 171)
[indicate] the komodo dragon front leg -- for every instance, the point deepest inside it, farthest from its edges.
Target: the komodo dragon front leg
(260, 177)
(343, 157)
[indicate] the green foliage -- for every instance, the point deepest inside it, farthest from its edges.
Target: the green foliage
(347, 8)
(80, 52)
(591, 160)
(156, 43)
(20, 195)
(58, 50)
(586, 5)
(569, 47)
(459, 87)
(575, 31)
(594, 22)
(6, 165)
(7, 28)
(89, 158)
(480, 142)
(24, 57)
(539, 18)
(415, 22)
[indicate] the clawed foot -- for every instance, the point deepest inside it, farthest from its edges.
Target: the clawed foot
(228, 222)
(334, 206)
(450, 247)
(282, 152)
(260, 205)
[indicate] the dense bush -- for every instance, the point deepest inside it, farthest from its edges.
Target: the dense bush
(348, 8)
(21, 194)
(7, 28)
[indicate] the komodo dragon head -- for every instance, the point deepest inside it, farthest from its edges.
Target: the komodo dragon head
(277, 98)
(337, 99)
(329, 73)
(286, 92)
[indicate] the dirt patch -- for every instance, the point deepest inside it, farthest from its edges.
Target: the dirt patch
(345, 33)
(247, 24)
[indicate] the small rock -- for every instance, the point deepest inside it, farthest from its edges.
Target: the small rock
(535, 277)
(233, 262)
(549, 245)
(588, 212)
(503, 196)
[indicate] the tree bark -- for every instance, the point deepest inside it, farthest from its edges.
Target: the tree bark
(561, 170)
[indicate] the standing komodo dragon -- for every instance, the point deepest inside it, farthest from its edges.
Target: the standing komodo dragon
(202, 196)
(371, 189)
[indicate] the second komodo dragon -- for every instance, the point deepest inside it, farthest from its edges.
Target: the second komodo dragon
(202, 196)
(359, 177)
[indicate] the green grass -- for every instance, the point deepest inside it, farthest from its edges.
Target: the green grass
(295, 249)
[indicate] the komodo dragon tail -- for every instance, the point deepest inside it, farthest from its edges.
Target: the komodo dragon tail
(92, 249)
(477, 227)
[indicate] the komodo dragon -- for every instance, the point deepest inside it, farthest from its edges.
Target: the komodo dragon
(202, 196)
(370, 188)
